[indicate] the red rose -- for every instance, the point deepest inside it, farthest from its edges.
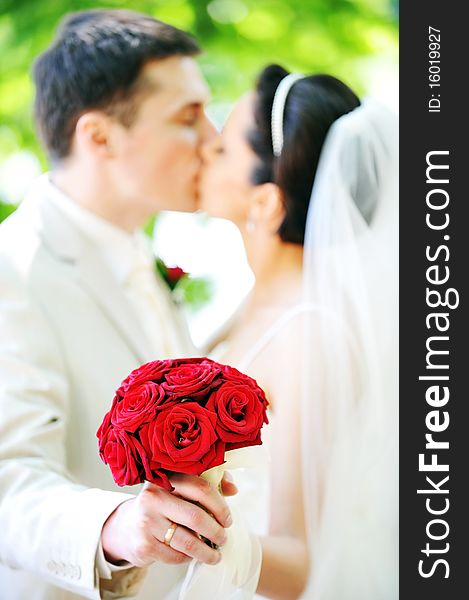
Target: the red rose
(104, 429)
(182, 438)
(151, 371)
(232, 374)
(158, 477)
(122, 453)
(153, 471)
(177, 362)
(191, 379)
(241, 414)
(174, 274)
(137, 406)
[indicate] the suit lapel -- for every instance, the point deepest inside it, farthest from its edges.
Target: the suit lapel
(109, 297)
(63, 239)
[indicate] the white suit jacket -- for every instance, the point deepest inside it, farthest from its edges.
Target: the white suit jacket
(67, 338)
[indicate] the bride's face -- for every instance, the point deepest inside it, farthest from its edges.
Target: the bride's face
(227, 163)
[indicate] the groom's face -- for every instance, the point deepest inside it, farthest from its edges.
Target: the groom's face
(157, 159)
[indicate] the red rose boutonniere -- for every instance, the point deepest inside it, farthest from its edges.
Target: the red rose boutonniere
(193, 292)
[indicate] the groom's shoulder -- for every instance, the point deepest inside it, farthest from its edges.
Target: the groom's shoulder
(20, 245)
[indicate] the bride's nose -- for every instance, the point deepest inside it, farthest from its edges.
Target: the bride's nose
(208, 148)
(208, 130)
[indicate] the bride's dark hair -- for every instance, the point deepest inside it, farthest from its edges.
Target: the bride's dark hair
(312, 105)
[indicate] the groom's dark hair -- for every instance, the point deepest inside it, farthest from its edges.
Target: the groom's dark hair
(312, 105)
(94, 63)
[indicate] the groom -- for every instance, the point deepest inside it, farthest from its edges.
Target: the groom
(120, 109)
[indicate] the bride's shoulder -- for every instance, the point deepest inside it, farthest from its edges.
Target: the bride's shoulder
(287, 341)
(281, 351)
(287, 329)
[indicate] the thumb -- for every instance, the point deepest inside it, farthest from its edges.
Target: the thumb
(228, 487)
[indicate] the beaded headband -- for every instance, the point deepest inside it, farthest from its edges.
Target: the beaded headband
(278, 108)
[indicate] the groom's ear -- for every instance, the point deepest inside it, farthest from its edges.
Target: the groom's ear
(93, 133)
(267, 206)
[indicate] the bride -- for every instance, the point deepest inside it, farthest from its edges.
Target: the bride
(308, 174)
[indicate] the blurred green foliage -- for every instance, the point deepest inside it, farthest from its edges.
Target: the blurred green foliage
(194, 292)
(5, 210)
(342, 37)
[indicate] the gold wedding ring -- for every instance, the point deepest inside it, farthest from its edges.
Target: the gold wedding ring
(168, 536)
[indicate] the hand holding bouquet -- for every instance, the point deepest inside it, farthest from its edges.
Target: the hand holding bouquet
(192, 417)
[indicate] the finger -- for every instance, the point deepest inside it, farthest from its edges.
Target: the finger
(154, 550)
(186, 542)
(227, 476)
(195, 518)
(197, 489)
(228, 487)
(159, 505)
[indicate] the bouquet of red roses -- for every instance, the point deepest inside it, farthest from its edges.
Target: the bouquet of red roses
(179, 416)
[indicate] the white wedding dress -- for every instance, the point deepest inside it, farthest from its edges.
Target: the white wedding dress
(254, 483)
(363, 512)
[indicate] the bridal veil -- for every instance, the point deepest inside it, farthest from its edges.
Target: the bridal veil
(350, 373)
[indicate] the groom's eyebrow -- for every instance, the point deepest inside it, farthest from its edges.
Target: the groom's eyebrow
(195, 104)
(187, 106)
(196, 100)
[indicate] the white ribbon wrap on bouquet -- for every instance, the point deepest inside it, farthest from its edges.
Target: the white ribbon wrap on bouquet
(236, 576)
